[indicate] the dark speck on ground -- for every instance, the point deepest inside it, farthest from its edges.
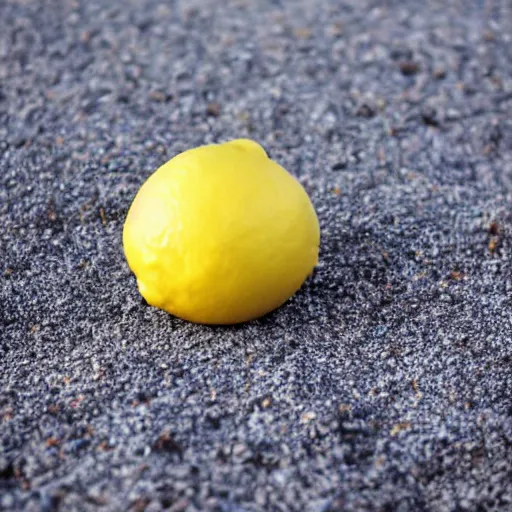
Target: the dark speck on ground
(386, 383)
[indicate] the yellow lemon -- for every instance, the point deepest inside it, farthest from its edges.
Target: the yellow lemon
(221, 234)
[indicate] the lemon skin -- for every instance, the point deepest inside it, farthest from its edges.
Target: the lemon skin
(221, 234)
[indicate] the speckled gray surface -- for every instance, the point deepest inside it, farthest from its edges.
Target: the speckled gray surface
(385, 384)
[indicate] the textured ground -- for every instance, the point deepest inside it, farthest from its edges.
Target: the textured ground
(386, 383)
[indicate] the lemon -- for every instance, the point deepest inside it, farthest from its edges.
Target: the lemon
(221, 234)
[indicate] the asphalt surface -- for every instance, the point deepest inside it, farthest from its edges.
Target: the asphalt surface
(385, 384)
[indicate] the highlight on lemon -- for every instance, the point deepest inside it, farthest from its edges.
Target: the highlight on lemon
(221, 234)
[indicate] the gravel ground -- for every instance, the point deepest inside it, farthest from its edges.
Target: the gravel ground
(385, 384)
